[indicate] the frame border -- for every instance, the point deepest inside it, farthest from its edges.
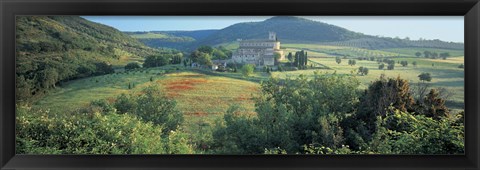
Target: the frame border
(470, 9)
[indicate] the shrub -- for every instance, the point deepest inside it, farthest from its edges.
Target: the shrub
(247, 69)
(132, 66)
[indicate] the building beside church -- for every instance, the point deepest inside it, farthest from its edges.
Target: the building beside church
(260, 52)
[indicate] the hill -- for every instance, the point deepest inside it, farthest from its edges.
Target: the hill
(292, 30)
(171, 39)
(288, 29)
(54, 49)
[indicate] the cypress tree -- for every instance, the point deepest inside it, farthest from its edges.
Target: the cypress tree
(306, 59)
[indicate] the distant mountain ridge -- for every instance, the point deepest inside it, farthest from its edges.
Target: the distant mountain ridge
(291, 29)
(288, 29)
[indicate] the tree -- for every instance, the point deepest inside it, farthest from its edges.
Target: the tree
(103, 68)
(381, 66)
(434, 55)
(23, 88)
(153, 106)
(124, 103)
(205, 49)
(338, 60)
(247, 69)
(291, 114)
(352, 62)
(461, 66)
(363, 70)
(418, 54)
(185, 63)
(276, 59)
(156, 61)
(301, 59)
(175, 58)
(427, 54)
(374, 103)
(290, 57)
(404, 133)
(404, 63)
(305, 60)
(414, 63)
(391, 66)
(219, 54)
(296, 60)
(132, 66)
(204, 59)
(444, 55)
(425, 77)
(433, 106)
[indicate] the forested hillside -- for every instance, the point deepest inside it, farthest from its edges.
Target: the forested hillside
(171, 39)
(54, 49)
(289, 30)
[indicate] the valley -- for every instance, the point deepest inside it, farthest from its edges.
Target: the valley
(173, 88)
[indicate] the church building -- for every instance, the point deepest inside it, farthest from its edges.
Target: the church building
(260, 52)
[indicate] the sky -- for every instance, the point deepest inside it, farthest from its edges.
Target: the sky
(446, 28)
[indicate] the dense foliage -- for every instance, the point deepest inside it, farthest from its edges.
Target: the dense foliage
(54, 49)
(301, 59)
(291, 114)
(151, 106)
(162, 59)
(327, 115)
(103, 128)
(132, 66)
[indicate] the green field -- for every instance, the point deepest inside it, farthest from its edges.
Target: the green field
(445, 73)
(203, 96)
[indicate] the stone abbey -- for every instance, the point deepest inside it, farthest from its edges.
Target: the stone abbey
(260, 52)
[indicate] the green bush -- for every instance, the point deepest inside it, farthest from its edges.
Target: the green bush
(290, 114)
(96, 129)
(154, 106)
(39, 132)
(132, 66)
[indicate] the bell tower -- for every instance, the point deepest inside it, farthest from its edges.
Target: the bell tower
(272, 36)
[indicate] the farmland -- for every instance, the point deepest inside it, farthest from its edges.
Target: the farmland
(204, 96)
(445, 73)
(87, 88)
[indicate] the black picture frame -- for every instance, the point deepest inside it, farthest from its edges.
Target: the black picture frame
(470, 9)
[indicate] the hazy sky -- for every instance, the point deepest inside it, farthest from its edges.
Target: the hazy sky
(446, 28)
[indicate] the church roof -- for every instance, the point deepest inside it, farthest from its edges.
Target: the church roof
(258, 40)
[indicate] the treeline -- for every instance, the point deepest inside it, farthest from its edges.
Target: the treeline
(204, 55)
(327, 115)
(375, 42)
(54, 49)
(299, 60)
(433, 55)
(132, 124)
(163, 59)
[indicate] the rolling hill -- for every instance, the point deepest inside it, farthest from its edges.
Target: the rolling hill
(53, 49)
(171, 39)
(293, 30)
